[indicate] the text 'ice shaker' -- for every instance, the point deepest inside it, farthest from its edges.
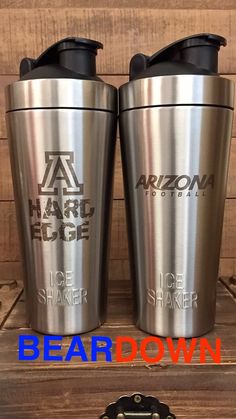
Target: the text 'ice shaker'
(61, 123)
(175, 123)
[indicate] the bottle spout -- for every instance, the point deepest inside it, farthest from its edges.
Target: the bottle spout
(74, 54)
(201, 51)
(196, 54)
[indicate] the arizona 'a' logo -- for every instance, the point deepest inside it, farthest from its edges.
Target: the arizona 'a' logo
(60, 168)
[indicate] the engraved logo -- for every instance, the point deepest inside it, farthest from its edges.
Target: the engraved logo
(61, 212)
(176, 185)
(171, 293)
(58, 213)
(60, 168)
(62, 291)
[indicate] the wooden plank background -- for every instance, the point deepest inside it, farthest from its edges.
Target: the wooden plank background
(42, 389)
(125, 27)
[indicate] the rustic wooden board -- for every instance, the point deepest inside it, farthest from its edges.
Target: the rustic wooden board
(9, 295)
(10, 289)
(9, 247)
(229, 230)
(83, 394)
(204, 392)
(231, 185)
(82, 390)
(123, 31)
(119, 269)
(11, 271)
(6, 190)
(230, 283)
(4, 81)
(227, 267)
(156, 4)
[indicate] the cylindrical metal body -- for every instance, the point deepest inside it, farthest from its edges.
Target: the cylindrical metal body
(62, 139)
(175, 142)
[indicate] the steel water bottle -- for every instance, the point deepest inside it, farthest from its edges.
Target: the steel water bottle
(61, 122)
(175, 126)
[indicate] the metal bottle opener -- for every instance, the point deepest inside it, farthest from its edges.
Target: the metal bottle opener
(137, 406)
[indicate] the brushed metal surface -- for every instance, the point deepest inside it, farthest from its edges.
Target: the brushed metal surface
(61, 93)
(66, 253)
(177, 90)
(175, 237)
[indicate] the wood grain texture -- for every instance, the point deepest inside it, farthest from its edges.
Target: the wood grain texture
(53, 389)
(82, 390)
(6, 189)
(9, 294)
(192, 392)
(123, 31)
(11, 271)
(229, 230)
(230, 284)
(10, 288)
(9, 245)
(4, 81)
(153, 4)
(231, 184)
(227, 267)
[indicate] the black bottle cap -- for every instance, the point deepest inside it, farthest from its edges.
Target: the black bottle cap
(68, 58)
(196, 54)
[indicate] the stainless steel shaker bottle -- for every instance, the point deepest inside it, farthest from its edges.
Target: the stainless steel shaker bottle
(175, 127)
(61, 123)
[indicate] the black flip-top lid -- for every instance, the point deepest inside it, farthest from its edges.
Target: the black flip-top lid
(195, 54)
(69, 58)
